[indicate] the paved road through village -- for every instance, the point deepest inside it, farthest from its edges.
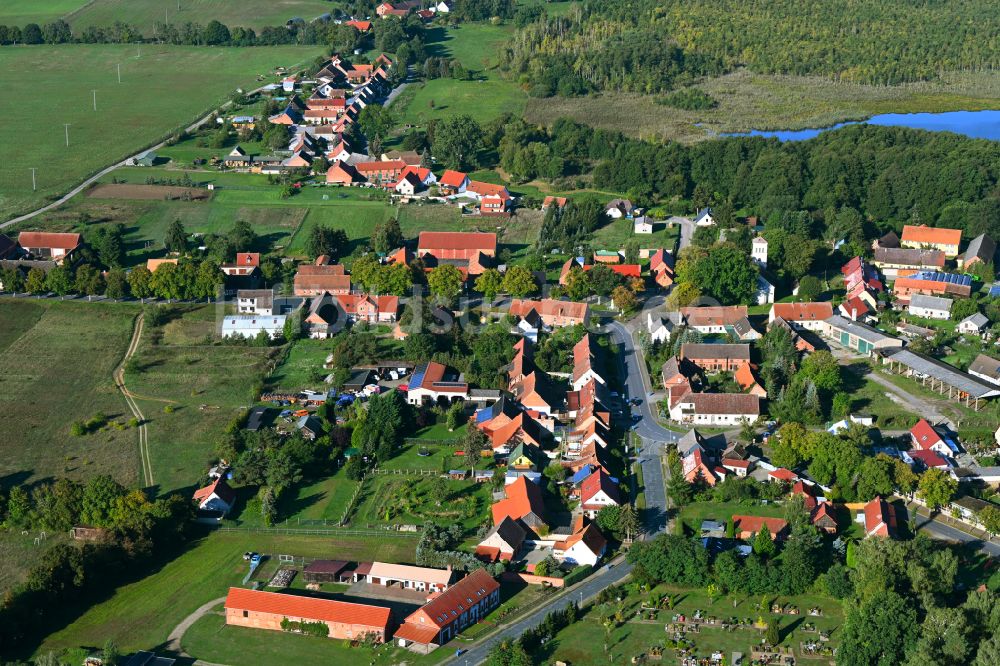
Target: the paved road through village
(654, 438)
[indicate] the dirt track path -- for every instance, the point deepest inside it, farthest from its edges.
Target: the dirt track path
(119, 376)
(174, 639)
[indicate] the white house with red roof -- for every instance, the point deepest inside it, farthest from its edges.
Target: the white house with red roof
(598, 491)
(782, 475)
(925, 437)
(453, 182)
(585, 546)
(217, 497)
(433, 382)
(879, 518)
(49, 245)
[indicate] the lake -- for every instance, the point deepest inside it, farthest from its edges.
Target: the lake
(976, 124)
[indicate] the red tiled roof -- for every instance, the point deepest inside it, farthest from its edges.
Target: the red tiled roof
(783, 474)
(548, 307)
(880, 518)
(457, 240)
(800, 488)
(558, 201)
(523, 497)
(596, 483)
(47, 239)
(929, 458)
(803, 311)
(715, 315)
(295, 606)
(388, 165)
(452, 178)
(753, 524)
(923, 434)
(458, 598)
(626, 270)
(218, 487)
(488, 189)
(930, 235)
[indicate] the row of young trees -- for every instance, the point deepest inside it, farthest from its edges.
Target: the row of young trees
(341, 38)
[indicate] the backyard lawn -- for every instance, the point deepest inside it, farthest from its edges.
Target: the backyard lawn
(400, 499)
(693, 514)
(57, 360)
(174, 83)
(141, 614)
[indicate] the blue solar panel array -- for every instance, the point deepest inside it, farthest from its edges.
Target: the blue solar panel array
(418, 375)
(950, 278)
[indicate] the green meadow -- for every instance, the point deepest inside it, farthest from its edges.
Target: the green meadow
(163, 89)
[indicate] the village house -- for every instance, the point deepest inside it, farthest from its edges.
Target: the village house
(246, 264)
(584, 353)
(372, 309)
(986, 368)
(616, 209)
(586, 546)
(676, 374)
(502, 542)
(250, 326)
(257, 609)
(716, 409)
(746, 377)
(380, 174)
(747, 527)
(932, 283)
(435, 382)
(974, 324)
(49, 245)
(598, 491)
(558, 202)
(342, 173)
(553, 313)
(217, 497)
(933, 238)
(456, 245)
(716, 357)
(405, 577)
(982, 249)
(765, 291)
(930, 307)
(715, 319)
(452, 183)
(924, 437)
(660, 327)
(900, 262)
(317, 279)
(807, 316)
(696, 469)
(523, 502)
(703, 218)
(879, 518)
(661, 267)
(465, 603)
(758, 251)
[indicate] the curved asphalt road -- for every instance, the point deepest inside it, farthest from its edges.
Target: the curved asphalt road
(654, 438)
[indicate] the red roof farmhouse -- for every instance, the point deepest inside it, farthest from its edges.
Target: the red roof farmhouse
(456, 245)
(465, 603)
(266, 610)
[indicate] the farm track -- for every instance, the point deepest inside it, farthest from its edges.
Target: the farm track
(119, 376)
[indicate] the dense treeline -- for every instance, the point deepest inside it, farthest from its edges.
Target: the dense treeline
(650, 46)
(845, 184)
(341, 37)
(133, 530)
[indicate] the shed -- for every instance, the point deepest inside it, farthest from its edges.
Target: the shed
(323, 571)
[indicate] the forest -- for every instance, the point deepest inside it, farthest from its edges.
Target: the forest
(652, 46)
(848, 184)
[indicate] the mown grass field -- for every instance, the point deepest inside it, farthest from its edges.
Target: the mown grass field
(22, 12)
(484, 97)
(206, 385)
(140, 615)
(57, 360)
(751, 101)
(146, 13)
(164, 89)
